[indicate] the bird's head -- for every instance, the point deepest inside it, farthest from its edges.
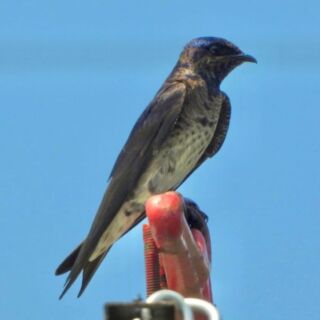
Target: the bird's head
(213, 57)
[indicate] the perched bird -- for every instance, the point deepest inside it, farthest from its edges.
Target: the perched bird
(184, 124)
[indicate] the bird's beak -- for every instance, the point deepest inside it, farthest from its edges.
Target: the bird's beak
(242, 57)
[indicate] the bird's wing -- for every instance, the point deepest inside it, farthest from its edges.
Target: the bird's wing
(151, 129)
(221, 130)
(219, 135)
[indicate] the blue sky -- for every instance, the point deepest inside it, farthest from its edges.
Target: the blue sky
(74, 77)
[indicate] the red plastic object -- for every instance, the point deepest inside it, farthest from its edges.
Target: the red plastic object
(182, 252)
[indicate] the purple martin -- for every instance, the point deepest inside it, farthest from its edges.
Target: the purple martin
(185, 123)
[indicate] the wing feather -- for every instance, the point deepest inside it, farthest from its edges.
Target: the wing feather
(221, 131)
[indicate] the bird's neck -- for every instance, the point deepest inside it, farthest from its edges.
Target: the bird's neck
(193, 78)
(210, 77)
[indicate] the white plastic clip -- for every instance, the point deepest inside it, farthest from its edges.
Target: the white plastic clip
(186, 305)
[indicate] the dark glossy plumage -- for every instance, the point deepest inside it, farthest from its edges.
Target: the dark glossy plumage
(185, 123)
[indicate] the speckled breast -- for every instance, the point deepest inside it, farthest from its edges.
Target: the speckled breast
(183, 149)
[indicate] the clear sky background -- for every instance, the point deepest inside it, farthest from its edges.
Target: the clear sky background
(74, 77)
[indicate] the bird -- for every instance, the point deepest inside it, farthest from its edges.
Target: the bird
(185, 124)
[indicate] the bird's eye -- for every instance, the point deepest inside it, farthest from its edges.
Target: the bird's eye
(223, 50)
(213, 50)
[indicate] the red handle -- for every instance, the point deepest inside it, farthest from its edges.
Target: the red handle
(182, 251)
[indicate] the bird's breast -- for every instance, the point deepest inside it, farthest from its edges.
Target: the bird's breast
(185, 145)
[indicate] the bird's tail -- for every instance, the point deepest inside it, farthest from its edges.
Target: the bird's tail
(67, 264)
(89, 269)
